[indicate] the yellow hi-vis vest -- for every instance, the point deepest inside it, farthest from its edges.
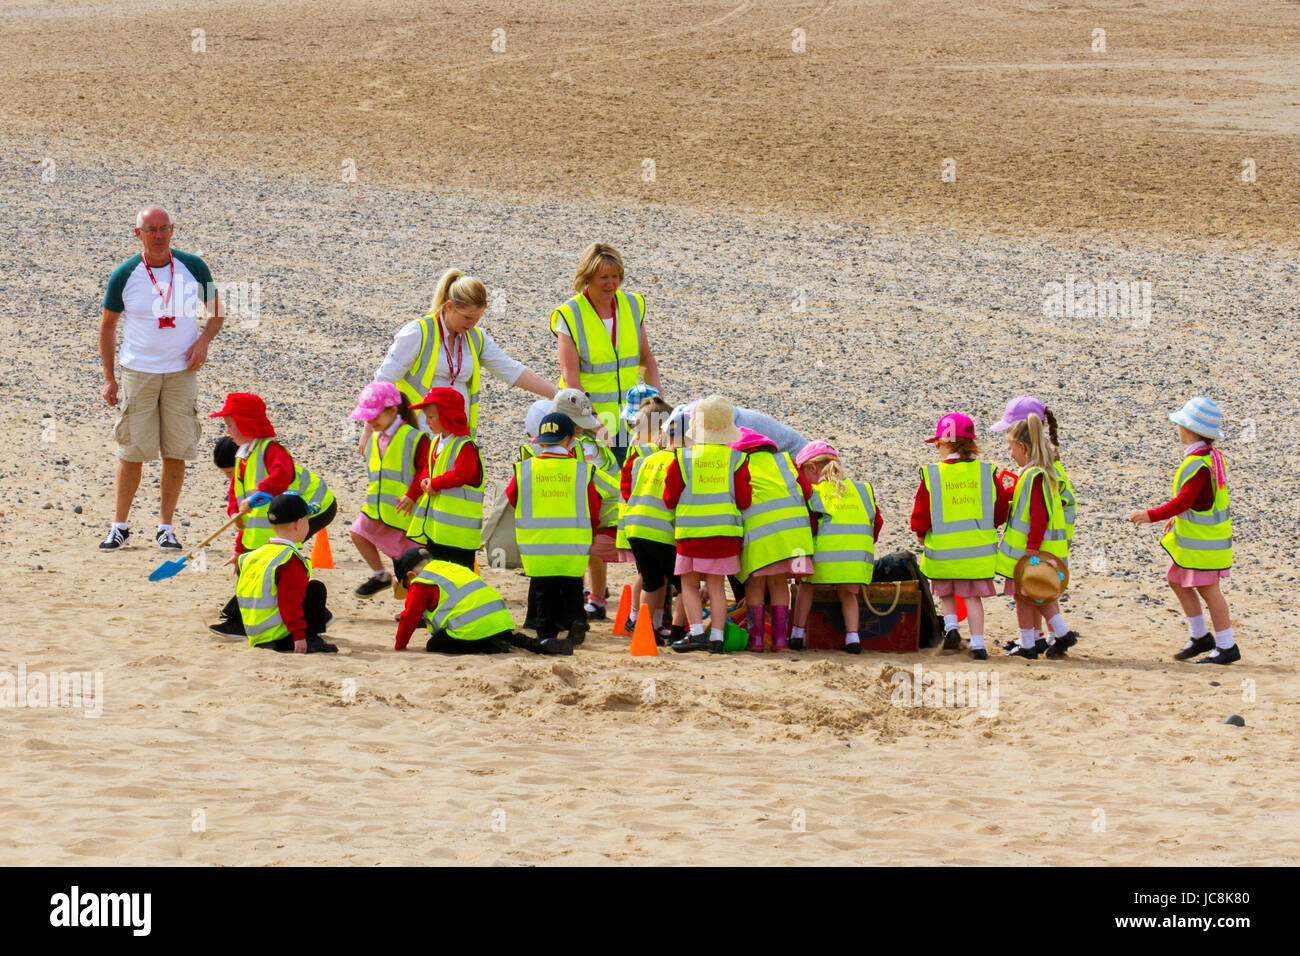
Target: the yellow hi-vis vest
(390, 476)
(450, 516)
(255, 591)
(647, 517)
(417, 381)
(1069, 502)
(707, 506)
(605, 473)
(552, 524)
(1200, 540)
(846, 544)
(776, 522)
(635, 454)
(1016, 535)
(606, 370)
(962, 543)
(257, 526)
(469, 609)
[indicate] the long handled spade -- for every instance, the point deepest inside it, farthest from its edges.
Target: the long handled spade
(169, 568)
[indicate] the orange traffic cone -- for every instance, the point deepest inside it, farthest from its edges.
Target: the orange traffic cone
(624, 609)
(322, 558)
(643, 641)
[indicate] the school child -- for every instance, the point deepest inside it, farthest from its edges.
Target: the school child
(605, 471)
(844, 553)
(1035, 527)
(778, 541)
(395, 447)
(955, 516)
(1198, 532)
(708, 486)
(262, 464)
(281, 607)
(445, 500)
(557, 509)
(1018, 410)
(647, 523)
(644, 429)
(223, 456)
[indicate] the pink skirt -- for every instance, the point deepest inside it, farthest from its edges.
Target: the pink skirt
(789, 568)
(962, 587)
(603, 547)
(1190, 578)
(688, 565)
(625, 557)
(386, 538)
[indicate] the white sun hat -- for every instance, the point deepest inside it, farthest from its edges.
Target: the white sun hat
(1200, 415)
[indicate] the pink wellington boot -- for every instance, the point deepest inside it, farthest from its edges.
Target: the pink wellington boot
(780, 627)
(754, 621)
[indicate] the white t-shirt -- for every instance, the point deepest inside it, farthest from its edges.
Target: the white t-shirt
(563, 328)
(406, 349)
(156, 336)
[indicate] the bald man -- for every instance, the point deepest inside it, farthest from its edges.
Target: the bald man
(158, 290)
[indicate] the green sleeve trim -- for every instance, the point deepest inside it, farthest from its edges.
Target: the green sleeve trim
(199, 269)
(117, 282)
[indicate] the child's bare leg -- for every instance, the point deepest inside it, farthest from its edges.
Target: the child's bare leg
(755, 589)
(778, 592)
(1217, 605)
(803, 600)
(974, 614)
(596, 570)
(717, 584)
(1191, 604)
(849, 605)
(690, 601)
(369, 553)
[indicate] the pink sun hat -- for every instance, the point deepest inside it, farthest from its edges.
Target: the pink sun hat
(951, 427)
(813, 450)
(374, 398)
(1018, 410)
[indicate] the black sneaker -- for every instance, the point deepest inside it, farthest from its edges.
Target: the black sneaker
(691, 642)
(797, 643)
(1197, 647)
(115, 539)
(229, 627)
(558, 646)
(1062, 644)
(979, 654)
(373, 585)
(595, 612)
(166, 539)
(1222, 655)
(578, 632)
(952, 640)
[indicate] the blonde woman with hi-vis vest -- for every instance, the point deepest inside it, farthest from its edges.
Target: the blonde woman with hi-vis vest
(1198, 532)
(601, 338)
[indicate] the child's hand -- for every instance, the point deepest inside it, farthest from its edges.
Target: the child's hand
(426, 484)
(234, 557)
(404, 503)
(365, 437)
(1169, 524)
(300, 647)
(1139, 517)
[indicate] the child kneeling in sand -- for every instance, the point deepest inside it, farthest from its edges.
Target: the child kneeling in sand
(281, 607)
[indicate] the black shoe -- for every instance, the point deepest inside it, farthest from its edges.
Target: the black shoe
(1222, 656)
(854, 648)
(595, 612)
(691, 642)
(115, 539)
(558, 646)
(676, 633)
(796, 643)
(315, 645)
(952, 640)
(979, 654)
(715, 647)
(230, 627)
(1029, 653)
(663, 636)
(1197, 647)
(1061, 645)
(373, 585)
(578, 632)
(166, 540)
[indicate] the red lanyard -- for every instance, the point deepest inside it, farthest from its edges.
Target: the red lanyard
(171, 281)
(613, 329)
(454, 365)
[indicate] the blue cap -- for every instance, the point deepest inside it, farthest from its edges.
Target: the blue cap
(635, 396)
(554, 428)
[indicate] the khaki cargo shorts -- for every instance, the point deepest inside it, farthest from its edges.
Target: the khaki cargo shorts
(157, 413)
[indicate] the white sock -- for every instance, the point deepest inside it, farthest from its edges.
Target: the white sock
(380, 575)
(164, 527)
(1197, 627)
(716, 634)
(120, 525)
(851, 638)
(1223, 639)
(657, 618)
(697, 629)
(1058, 625)
(977, 642)
(950, 622)
(796, 632)
(631, 616)
(1027, 637)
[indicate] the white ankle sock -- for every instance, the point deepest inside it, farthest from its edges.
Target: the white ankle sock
(697, 629)
(631, 616)
(380, 575)
(1197, 626)
(164, 527)
(1223, 639)
(716, 634)
(977, 642)
(851, 638)
(120, 525)
(950, 622)
(796, 632)
(1058, 625)
(1027, 637)
(657, 618)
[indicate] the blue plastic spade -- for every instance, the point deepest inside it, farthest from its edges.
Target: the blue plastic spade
(170, 568)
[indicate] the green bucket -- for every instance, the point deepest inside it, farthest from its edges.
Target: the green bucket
(735, 638)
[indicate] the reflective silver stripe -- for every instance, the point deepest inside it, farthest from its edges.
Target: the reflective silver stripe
(554, 548)
(264, 603)
(646, 501)
(1211, 518)
(252, 630)
(776, 504)
(855, 554)
(478, 613)
(632, 522)
(581, 519)
(459, 521)
(464, 492)
(1204, 544)
(256, 521)
(792, 523)
(604, 397)
(958, 554)
(707, 498)
(537, 523)
(579, 335)
(382, 499)
(415, 376)
(707, 521)
(937, 523)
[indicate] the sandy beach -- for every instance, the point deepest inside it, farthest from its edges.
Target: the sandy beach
(834, 289)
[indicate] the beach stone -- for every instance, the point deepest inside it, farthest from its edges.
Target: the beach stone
(76, 509)
(1214, 683)
(47, 506)
(1236, 720)
(186, 522)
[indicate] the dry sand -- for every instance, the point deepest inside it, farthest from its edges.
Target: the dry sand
(918, 300)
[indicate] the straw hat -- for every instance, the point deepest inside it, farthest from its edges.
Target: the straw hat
(713, 422)
(1043, 578)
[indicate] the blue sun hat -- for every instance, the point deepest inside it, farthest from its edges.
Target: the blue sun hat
(635, 396)
(1200, 415)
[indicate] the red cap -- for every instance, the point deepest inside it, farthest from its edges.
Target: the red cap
(249, 412)
(951, 427)
(450, 405)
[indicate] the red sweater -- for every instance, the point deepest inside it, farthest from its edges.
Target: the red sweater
(279, 476)
(720, 547)
(1198, 493)
(593, 496)
(465, 470)
(290, 593)
(920, 522)
(420, 598)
